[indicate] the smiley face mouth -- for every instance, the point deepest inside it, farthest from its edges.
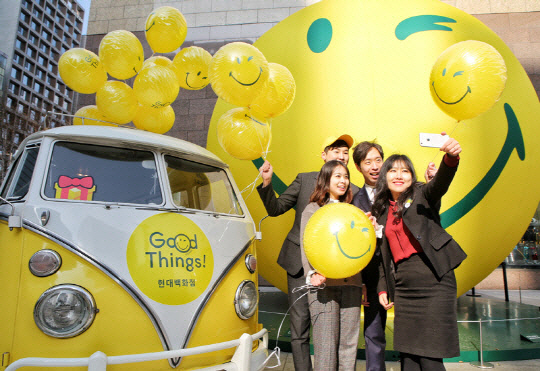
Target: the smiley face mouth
(347, 255)
(193, 87)
(247, 84)
(445, 102)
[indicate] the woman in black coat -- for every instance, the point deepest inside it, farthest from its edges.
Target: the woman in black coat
(418, 261)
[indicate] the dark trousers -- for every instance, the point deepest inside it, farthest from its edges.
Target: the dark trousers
(411, 362)
(299, 322)
(374, 325)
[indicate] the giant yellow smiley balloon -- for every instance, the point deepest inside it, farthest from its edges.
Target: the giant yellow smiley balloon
(467, 79)
(82, 70)
(339, 240)
(238, 72)
(362, 67)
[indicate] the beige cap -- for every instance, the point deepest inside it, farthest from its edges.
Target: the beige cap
(331, 139)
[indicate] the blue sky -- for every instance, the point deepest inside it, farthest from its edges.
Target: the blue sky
(86, 5)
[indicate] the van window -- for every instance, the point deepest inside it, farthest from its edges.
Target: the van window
(85, 172)
(201, 187)
(21, 174)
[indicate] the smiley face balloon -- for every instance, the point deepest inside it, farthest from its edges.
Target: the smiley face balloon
(467, 79)
(166, 29)
(363, 68)
(238, 72)
(339, 240)
(191, 67)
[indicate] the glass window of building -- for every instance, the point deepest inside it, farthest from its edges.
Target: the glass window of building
(50, 67)
(49, 10)
(34, 25)
(9, 102)
(22, 31)
(15, 73)
(38, 87)
(26, 80)
(24, 17)
(56, 99)
(27, 4)
(66, 105)
(13, 88)
(37, 13)
(41, 61)
(30, 52)
(25, 94)
(33, 39)
(19, 44)
(17, 58)
(40, 74)
(28, 66)
(44, 48)
(46, 35)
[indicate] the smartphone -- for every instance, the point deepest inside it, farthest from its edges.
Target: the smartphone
(433, 140)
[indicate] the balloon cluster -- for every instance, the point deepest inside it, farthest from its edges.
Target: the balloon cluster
(240, 75)
(157, 80)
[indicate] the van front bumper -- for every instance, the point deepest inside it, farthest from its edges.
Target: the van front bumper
(244, 359)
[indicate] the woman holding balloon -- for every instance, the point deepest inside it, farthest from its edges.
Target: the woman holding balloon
(418, 261)
(335, 306)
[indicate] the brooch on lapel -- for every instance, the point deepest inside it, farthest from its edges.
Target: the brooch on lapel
(408, 203)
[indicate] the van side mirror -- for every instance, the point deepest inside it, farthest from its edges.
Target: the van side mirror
(14, 221)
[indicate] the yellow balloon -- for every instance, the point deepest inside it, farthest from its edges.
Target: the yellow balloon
(156, 87)
(191, 67)
(90, 115)
(243, 136)
(82, 70)
(121, 53)
(339, 240)
(157, 60)
(166, 29)
(117, 102)
(467, 79)
(277, 95)
(155, 120)
(238, 72)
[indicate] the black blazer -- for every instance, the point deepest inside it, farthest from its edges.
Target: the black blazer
(297, 194)
(370, 274)
(423, 220)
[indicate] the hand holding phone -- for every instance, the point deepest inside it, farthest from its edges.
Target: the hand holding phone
(433, 140)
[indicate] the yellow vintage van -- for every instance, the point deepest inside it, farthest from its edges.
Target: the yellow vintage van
(125, 250)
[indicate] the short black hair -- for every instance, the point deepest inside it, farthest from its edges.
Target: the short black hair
(362, 149)
(337, 144)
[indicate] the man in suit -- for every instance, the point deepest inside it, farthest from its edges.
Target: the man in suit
(297, 195)
(368, 158)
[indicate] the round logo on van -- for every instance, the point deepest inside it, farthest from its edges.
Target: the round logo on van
(170, 259)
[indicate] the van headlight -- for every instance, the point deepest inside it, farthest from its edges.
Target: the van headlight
(246, 300)
(65, 311)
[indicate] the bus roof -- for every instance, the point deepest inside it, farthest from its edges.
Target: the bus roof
(126, 136)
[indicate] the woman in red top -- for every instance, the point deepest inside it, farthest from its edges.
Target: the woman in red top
(418, 261)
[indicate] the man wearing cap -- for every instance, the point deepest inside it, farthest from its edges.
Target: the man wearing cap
(297, 195)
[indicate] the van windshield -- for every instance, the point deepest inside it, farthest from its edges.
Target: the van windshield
(86, 172)
(201, 187)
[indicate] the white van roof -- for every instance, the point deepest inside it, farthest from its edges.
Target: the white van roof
(128, 137)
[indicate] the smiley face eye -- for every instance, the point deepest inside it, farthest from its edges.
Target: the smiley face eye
(458, 73)
(444, 72)
(238, 60)
(250, 58)
(319, 35)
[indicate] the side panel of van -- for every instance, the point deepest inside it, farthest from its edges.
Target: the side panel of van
(10, 266)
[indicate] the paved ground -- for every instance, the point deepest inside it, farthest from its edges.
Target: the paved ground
(530, 365)
(530, 297)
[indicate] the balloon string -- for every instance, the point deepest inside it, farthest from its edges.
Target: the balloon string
(252, 186)
(308, 288)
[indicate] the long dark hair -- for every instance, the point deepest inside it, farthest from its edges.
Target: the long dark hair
(321, 194)
(383, 194)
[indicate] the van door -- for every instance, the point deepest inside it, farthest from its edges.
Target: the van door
(14, 193)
